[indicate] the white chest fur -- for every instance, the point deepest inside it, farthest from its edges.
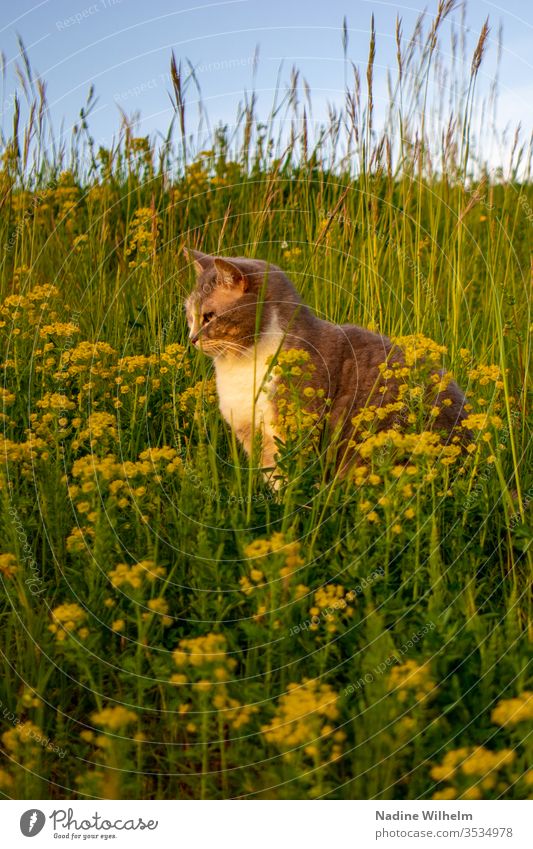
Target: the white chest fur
(245, 388)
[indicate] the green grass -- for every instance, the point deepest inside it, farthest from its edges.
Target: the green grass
(342, 646)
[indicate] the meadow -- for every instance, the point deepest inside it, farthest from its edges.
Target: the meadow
(171, 627)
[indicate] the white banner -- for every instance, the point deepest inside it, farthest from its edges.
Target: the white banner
(268, 824)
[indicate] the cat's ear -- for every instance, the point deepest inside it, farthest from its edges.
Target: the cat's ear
(230, 275)
(201, 261)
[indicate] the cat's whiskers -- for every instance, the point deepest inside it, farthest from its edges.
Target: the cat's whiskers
(234, 347)
(213, 349)
(224, 347)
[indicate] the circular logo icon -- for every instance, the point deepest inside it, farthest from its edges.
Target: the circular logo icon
(32, 822)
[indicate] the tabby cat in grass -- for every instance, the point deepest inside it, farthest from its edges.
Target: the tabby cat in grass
(244, 312)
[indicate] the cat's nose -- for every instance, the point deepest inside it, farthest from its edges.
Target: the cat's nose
(194, 338)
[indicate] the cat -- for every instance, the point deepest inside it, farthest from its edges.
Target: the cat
(243, 312)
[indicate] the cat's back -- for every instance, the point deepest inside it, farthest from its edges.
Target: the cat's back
(367, 346)
(351, 354)
(354, 356)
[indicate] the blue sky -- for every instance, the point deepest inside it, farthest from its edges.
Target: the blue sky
(124, 47)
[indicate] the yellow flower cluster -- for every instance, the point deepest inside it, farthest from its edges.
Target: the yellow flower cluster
(194, 397)
(396, 446)
(26, 453)
(292, 363)
(426, 444)
(143, 373)
(138, 144)
(209, 671)
(100, 431)
(55, 416)
(55, 401)
(481, 422)
(418, 349)
(204, 651)
(374, 414)
(274, 545)
(512, 711)
(164, 459)
(29, 699)
(59, 330)
(114, 718)
(394, 370)
(20, 314)
(34, 299)
(137, 575)
(411, 676)
(87, 358)
(293, 421)
(142, 241)
(175, 355)
(415, 379)
(66, 197)
(67, 618)
(79, 242)
(137, 363)
(255, 580)
(293, 370)
(106, 468)
(195, 180)
(8, 565)
(6, 397)
(486, 374)
(92, 368)
(155, 456)
(286, 563)
(199, 179)
(470, 762)
(23, 742)
(303, 719)
(330, 603)
(125, 482)
(79, 538)
(159, 607)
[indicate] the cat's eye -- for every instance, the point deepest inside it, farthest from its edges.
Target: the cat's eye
(208, 316)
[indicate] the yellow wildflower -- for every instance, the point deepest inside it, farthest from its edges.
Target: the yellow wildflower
(67, 617)
(8, 565)
(512, 711)
(303, 713)
(114, 718)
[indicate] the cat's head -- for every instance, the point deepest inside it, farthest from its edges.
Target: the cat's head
(229, 304)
